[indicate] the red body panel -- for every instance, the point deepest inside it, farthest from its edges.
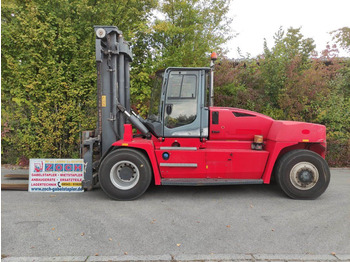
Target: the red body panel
(286, 131)
(192, 155)
(274, 148)
(228, 154)
(234, 160)
(241, 127)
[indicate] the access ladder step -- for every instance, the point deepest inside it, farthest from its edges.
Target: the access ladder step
(208, 182)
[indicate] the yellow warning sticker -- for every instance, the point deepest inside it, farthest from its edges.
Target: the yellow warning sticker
(103, 101)
(71, 184)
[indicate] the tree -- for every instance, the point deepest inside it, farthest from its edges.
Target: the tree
(342, 37)
(290, 46)
(188, 31)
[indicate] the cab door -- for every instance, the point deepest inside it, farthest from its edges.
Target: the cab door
(179, 155)
(181, 109)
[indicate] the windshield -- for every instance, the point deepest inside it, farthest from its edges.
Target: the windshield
(154, 111)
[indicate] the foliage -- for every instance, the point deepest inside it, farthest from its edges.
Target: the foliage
(239, 85)
(48, 71)
(291, 52)
(342, 37)
(188, 31)
(289, 82)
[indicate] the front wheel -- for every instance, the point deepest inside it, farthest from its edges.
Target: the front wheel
(125, 174)
(302, 174)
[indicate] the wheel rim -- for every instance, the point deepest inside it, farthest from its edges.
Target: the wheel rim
(304, 176)
(124, 175)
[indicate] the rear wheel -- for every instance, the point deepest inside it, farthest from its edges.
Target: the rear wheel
(125, 174)
(302, 174)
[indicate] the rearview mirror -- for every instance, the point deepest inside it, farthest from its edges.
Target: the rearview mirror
(169, 109)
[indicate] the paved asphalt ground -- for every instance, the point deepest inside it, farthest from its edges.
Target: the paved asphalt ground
(245, 223)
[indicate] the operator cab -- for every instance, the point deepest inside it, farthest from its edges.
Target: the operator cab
(179, 103)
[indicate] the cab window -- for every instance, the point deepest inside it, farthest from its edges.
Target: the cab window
(181, 101)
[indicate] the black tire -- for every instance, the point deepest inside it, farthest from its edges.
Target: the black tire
(125, 174)
(302, 174)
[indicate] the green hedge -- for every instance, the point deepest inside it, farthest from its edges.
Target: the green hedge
(48, 93)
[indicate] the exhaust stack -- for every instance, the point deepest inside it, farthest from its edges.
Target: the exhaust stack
(213, 58)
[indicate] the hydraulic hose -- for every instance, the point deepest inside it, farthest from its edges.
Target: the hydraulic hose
(135, 121)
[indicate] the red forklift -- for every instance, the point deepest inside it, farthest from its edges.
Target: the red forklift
(186, 140)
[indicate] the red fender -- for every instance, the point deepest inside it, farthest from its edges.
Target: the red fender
(145, 145)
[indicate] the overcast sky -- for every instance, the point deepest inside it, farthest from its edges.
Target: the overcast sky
(255, 20)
